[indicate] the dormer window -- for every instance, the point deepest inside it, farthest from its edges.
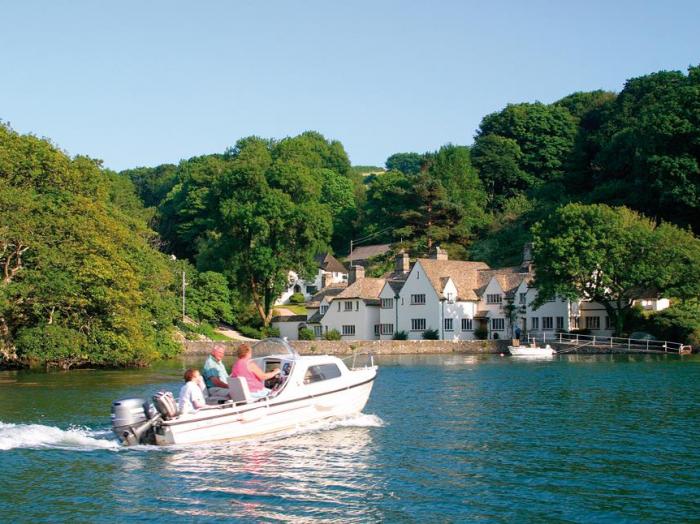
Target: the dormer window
(495, 298)
(324, 309)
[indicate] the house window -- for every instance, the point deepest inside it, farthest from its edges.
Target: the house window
(324, 309)
(338, 306)
(387, 303)
(450, 297)
(467, 324)
(317, 331)
(592, 322)
(357, 305)
(418, 299)
(560, 322)
(523, 298)
(607, 322)
(494, 299)
(376, 330)
(417, 324)
(321, 372)
(348, 331)
(310, 290)
(387, 329)
(417, 275)
(498, 324)
(535, 323)
(547, 323)
(348, 305)
(449, 323)
(574, 322)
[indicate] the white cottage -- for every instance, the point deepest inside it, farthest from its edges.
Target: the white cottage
(330, 272)
(354, 312)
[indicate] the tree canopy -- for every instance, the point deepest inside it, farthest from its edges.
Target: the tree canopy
(613, 256)
(81, 283)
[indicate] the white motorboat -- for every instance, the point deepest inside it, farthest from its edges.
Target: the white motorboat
(531, 351)
(309, 388)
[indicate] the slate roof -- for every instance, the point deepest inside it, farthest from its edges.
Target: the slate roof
(329, 263)
(329, 292)
(509, 278)
(367, 252)
(464, 274)
(364, 288)
(315, 318)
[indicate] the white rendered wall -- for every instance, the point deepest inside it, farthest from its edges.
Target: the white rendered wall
(418, 283)
(362, 316)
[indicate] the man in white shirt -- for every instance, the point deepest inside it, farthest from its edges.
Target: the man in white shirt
(191, 397)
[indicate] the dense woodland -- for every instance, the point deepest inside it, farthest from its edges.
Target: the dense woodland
(87, 254)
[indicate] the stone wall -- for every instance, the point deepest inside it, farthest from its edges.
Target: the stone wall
(378, 347)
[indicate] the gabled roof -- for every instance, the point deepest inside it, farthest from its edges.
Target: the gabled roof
(328, 292)
(364, 288)
(366, 252)
(464, 274)
(329, 263)
(509, 278)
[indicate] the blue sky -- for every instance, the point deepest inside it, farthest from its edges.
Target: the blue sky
(144, 83)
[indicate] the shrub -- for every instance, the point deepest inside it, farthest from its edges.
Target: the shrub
(481, 333)
(250, 332)
(332, 334)
(306, 334)
(400, 335)
(270, 331)
(51, 343)
(297, 298)
(678, 323)
(431, 334)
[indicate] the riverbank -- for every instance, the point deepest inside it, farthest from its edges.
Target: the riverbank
(377, 347)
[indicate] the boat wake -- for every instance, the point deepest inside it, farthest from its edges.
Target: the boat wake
(38, 436)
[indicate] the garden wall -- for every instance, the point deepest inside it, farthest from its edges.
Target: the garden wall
(378, 347)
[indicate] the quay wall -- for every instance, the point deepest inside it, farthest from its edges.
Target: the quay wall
(378, 347)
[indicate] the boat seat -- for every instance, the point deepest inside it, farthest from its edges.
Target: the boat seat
(238, 390)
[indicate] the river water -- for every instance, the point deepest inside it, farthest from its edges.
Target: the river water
(443, 439)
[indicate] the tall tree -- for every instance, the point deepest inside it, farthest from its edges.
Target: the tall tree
(407, 163)
(544, 134)
(611, 256)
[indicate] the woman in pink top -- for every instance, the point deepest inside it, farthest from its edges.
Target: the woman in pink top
(251, 372)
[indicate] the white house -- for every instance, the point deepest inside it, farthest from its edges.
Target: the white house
(330, 271)
(354, 312)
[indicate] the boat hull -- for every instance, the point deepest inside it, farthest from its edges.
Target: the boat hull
(269, 416)
(525, 351)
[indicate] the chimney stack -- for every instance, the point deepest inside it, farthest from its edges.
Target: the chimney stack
(439, 254)
(356, 273)
(527, 257)
(403, 264)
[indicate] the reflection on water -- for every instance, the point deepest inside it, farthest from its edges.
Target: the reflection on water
(446, 438)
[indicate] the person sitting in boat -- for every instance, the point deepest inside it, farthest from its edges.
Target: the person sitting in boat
(191, 397)
(251, 372)
(215, 374)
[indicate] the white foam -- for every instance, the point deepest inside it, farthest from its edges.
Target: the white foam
(362, 420)
(14, 436)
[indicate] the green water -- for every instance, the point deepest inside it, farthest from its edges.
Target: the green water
(443, 439)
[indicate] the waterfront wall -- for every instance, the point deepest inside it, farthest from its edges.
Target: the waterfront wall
(378, 347)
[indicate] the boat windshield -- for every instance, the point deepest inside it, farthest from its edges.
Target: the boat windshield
(273, 346)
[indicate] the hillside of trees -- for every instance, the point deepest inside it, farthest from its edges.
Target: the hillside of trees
(88, 275)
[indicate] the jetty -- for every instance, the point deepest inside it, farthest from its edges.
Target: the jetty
(577, 343)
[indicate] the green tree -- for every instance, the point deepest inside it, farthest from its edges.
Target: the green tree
(642, 150)
(407, 163)
(544, 133)
(498, 160)
(209, 298)
(610, 256)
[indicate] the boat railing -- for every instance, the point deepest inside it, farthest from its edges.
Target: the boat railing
(359, 360)
(608, 343)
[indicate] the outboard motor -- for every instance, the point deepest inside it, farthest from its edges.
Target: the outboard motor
(133, 420)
